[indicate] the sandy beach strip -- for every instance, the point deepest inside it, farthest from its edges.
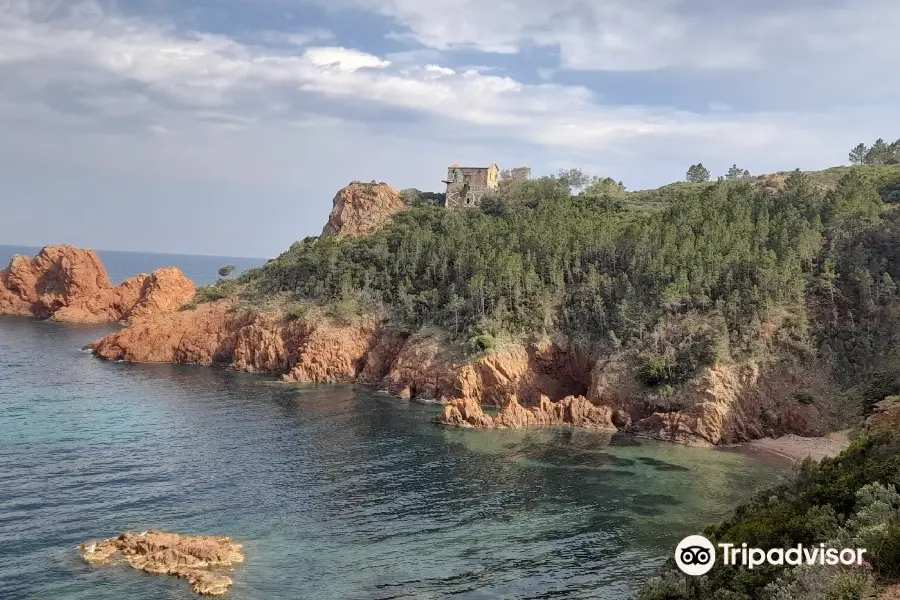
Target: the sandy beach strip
(796, 448)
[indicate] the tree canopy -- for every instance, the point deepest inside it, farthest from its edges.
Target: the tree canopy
(539, 258)
(880, 153)
(697, 173)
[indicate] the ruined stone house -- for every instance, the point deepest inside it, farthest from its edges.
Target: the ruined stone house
(466, 186)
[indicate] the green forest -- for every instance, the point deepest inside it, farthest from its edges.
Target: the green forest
(610, 267)
(704, 267)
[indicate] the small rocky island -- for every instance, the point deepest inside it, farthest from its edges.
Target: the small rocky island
(192, 557)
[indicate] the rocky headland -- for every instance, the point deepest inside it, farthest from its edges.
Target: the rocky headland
(535, 385)
(67, 284)
(195, 558)
(555, 382)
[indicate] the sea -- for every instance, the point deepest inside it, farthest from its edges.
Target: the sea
(336, 492)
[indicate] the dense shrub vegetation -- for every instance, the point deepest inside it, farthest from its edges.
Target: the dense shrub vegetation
(847, 502)
(538, 258)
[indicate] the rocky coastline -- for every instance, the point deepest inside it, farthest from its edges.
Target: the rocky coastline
(726, 404)
(555, 382)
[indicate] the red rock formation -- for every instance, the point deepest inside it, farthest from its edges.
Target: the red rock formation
(188, 557)
(737, 403)
(327, 352)
(362, 208)
(67, 284)
(725, 404)
(572, 411)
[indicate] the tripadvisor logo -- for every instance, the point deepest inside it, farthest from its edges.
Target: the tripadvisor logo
(696, 555)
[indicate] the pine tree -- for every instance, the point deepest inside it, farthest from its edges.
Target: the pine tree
(858, 154)
(697, 173)
(879, 153)
(735, 173)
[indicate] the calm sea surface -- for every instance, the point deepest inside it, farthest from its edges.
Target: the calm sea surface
(336, 492)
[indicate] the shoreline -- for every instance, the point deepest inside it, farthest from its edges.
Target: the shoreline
(790, 449)
(783, 451)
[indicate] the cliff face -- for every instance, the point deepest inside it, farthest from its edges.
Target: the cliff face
(364, 351)
(361, 209)
(724, 404)
(63, 283)
(535, 386)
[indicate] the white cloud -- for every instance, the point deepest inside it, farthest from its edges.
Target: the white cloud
(96, 92)
(344, 60)
(637, 35)
(210, 72)
(292, 38)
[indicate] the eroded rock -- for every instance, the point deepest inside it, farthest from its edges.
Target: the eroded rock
(68, 284)
(885, 415)
(725, 404)
(572, 411)
(194, 558)
(361, 209)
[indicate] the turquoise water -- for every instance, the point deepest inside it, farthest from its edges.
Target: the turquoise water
(337, 492)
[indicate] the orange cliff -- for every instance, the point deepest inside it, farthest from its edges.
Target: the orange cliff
(538, 385)
(67, 284)
(572, 411)
(331, 351)
(361, 209)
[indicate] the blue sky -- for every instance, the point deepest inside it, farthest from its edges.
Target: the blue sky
(226, 126)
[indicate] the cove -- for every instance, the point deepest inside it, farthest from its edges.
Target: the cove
(336, 491)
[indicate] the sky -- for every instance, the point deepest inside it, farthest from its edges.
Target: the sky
(225, 127)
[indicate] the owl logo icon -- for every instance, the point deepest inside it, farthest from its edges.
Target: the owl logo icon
(695, 555)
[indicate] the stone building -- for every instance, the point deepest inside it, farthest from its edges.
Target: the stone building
(466, 186)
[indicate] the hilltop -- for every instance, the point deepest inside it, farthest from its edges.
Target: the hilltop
(702, 313)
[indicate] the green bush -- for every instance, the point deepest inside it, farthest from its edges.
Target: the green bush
(192, 305)
(484, 342)
(298, 311)
(210, 293)
(805, 398)
(668, 587)
(344, 309)
(223, 288)
(656, 370)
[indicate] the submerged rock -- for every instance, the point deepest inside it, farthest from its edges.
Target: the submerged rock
(190, 557)
(572, 411)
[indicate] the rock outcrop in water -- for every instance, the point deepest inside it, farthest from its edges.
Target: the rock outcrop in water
(572, 411)
(361, 209)
(68, 284)
(190, 557)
